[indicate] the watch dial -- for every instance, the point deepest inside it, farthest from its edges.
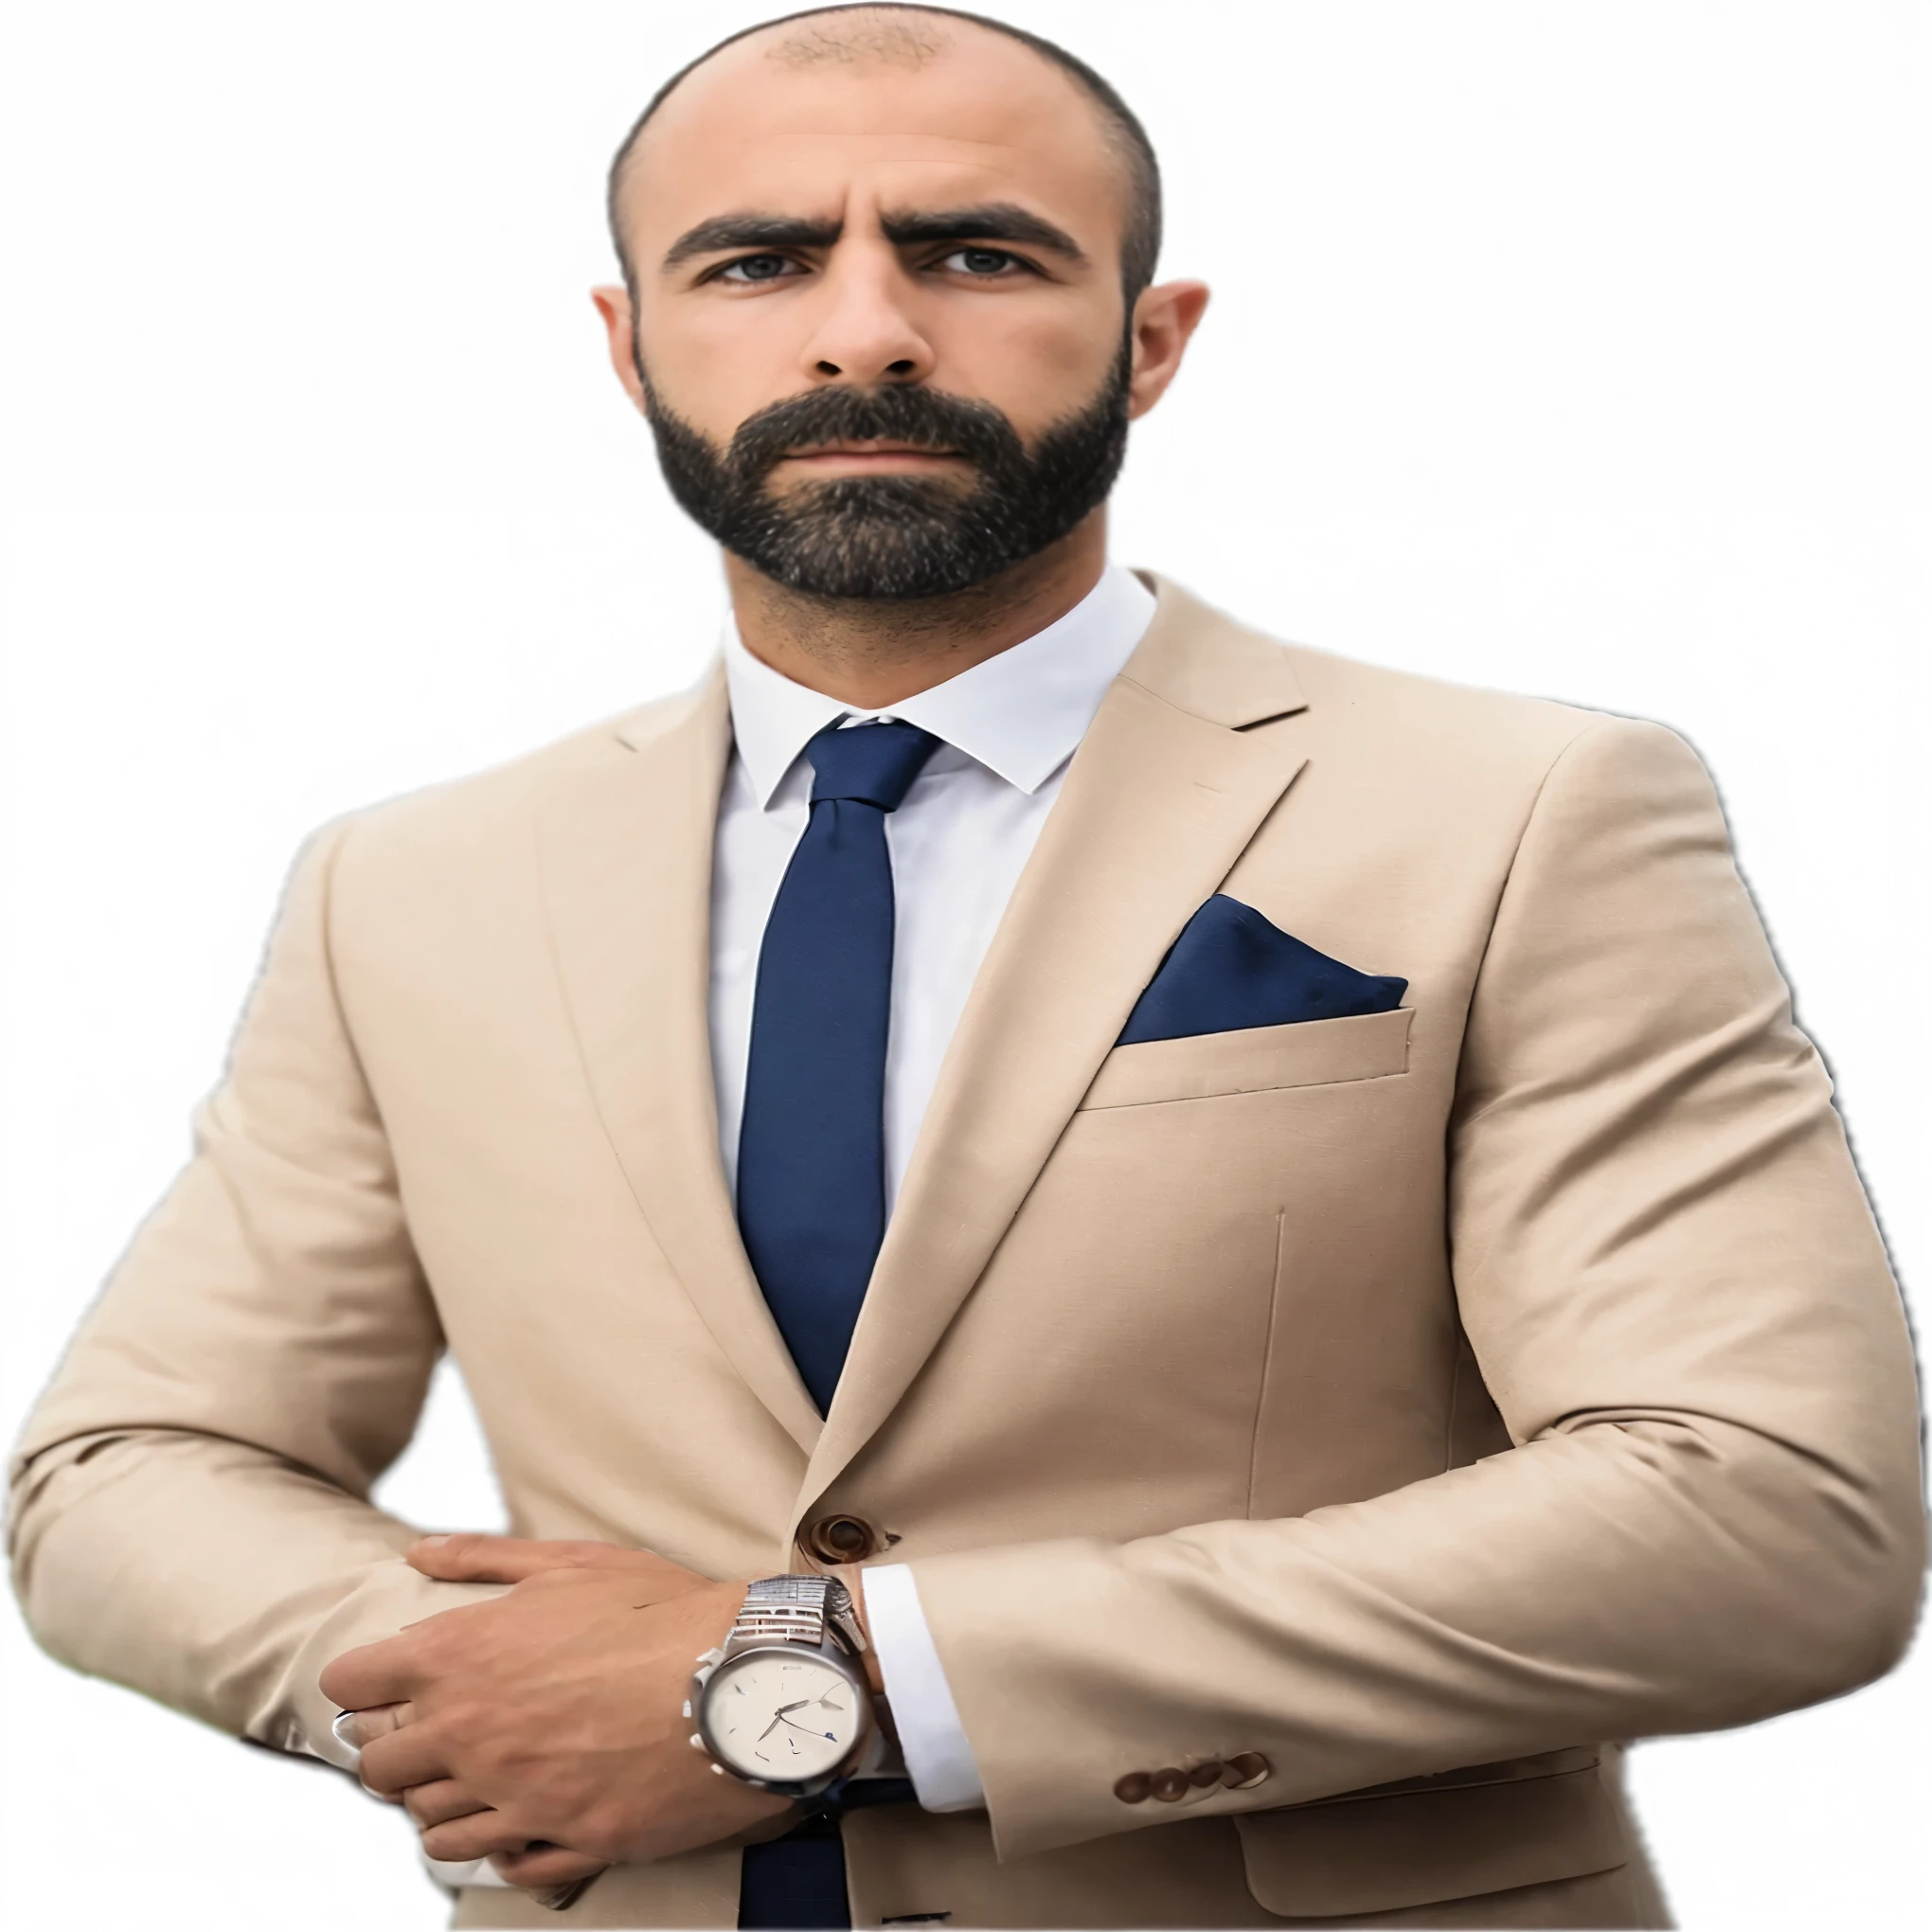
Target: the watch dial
(770, 1715)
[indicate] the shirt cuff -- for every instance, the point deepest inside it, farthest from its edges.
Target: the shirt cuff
(938, 1758)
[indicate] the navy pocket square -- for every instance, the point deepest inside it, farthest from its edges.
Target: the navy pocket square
(1230, 969)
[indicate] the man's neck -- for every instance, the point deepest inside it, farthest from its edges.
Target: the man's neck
(873, 653)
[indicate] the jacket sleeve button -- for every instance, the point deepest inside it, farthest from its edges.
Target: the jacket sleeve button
(1136, 1788)
(1169, 1784)
(1202, 1776)
(1244, 1772)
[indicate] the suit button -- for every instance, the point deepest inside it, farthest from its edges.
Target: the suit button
(841, 1539)
(1169, 1784)
(1136, 1788)
(1249, 1769)
(1202, 1776)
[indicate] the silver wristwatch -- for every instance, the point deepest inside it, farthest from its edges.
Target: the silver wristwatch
(784, 1703)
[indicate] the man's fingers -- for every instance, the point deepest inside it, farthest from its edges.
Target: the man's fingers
(481, 1835)
(475, 1559)
(356, 1729)
(441, 1800)
(371, 1675)
(399, 1667)
(403, 1758)
(543, 1871)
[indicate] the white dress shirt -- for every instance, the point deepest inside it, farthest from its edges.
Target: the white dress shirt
(959, 841)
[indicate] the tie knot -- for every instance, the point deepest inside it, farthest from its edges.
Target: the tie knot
(874, 763)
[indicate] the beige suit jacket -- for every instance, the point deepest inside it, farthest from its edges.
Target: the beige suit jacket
(1424, 1401)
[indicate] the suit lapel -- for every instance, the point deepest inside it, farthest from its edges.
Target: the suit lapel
(1167, 789)
(627, 879)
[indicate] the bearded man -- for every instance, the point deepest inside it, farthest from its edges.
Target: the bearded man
(1120, 1275)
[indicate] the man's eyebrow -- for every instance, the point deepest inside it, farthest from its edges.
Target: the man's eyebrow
(989, 222)
(752, 231)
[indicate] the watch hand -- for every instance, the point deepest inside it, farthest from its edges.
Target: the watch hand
(781, 1718)
(808, 1732)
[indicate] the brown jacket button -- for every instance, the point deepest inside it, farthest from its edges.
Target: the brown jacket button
(1136, 1788)
(1241, 1773)
(1170, 1783)
(840, 1539)
(1202, 1776)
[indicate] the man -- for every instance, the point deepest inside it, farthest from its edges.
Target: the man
(1199, 1271)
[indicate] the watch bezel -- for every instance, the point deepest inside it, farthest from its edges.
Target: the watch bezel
(834, 1658)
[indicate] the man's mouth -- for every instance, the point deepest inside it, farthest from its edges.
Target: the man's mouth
(882, 453)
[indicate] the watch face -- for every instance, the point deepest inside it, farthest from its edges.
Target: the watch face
(771, 1716)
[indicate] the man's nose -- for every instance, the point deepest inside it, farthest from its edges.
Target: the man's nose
(865, 330)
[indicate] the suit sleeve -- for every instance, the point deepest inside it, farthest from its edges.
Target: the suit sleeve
(191, 1513)
(1667, 1268)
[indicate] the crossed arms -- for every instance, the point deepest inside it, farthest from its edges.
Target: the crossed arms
(1726, 1528)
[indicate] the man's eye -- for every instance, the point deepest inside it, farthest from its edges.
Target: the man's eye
(756, 268)
(981, 260)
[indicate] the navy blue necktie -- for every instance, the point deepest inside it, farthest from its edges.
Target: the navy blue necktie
(810, 1150)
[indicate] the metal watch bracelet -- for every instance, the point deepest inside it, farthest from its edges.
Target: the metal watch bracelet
(793, 1609)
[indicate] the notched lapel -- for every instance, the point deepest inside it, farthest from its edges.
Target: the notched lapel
(1190, 751)
(627, 879)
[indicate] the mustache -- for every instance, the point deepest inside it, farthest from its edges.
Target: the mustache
(927, 419)
(894, 537)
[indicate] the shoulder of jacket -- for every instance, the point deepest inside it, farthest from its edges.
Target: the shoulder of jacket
(1446, 720)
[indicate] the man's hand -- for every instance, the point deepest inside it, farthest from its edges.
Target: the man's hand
(545, 1731)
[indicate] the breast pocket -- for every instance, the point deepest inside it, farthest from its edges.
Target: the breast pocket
(1253, 1059)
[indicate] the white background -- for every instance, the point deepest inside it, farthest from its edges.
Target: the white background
(1569, 347)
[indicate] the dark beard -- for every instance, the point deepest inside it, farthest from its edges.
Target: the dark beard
(895, 537)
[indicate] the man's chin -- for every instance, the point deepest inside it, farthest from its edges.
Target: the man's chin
(884, 588)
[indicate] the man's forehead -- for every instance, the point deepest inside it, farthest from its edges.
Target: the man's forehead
(824, 173)
(747, 129)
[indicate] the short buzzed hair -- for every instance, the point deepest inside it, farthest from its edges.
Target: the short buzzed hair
(1139, 236)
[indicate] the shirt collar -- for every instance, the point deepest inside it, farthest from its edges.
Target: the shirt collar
(1021, 713)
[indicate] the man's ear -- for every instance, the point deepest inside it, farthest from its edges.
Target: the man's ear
(1164, 318)
(619, 321)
